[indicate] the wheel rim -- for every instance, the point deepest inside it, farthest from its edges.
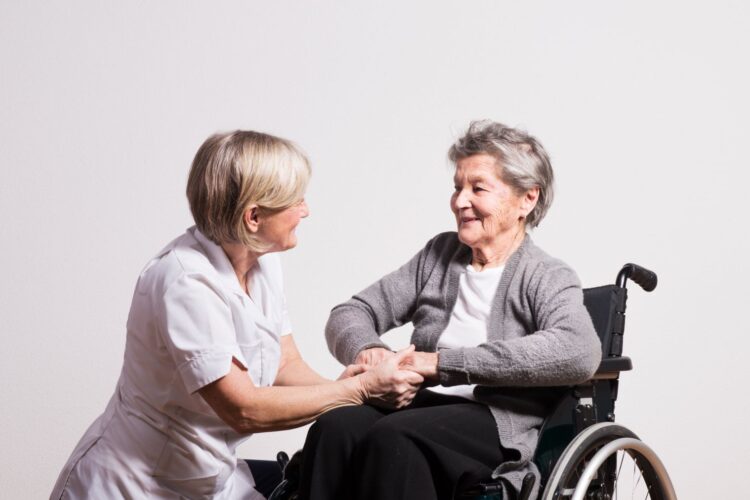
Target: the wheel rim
(623, 468)
(585, 443)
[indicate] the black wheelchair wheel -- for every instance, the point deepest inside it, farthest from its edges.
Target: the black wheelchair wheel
(613, 462)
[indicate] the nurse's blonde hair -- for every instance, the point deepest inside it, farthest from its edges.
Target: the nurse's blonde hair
(234, 170)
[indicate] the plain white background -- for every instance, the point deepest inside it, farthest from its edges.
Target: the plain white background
(643, 107)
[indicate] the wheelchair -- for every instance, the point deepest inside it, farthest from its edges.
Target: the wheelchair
(582, 453)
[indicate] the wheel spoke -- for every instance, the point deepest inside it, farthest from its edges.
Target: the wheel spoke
(619, 470)
(638, 479)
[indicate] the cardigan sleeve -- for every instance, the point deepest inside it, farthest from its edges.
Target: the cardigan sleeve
(390, 302)
(564, 350)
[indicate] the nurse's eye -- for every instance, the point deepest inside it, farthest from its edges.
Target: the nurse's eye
(477, 189)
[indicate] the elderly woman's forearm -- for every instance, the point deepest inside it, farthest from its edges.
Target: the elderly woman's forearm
(350, 330)
(390, 302)
(541, 359)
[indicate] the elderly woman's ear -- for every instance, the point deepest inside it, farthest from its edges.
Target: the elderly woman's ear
(528, 201)
(251, 218)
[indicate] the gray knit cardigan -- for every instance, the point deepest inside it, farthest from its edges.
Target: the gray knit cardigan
(539, 335)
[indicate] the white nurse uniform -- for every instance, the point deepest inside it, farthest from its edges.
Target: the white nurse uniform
(189, 318)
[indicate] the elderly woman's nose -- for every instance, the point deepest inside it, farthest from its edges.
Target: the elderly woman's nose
(462, 199)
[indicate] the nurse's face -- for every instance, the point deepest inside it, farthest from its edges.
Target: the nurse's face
(278, 229)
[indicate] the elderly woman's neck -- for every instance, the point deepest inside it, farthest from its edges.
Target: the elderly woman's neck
(496, 253)
(242, 261)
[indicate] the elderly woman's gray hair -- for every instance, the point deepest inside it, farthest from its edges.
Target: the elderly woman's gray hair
(522, 162)
(234, 170)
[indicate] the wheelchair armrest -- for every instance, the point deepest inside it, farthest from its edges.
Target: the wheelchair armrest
(611, 367)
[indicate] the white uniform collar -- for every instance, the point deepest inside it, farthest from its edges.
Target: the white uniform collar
(219, 260)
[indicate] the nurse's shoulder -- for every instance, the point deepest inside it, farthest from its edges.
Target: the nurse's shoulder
(184, 257)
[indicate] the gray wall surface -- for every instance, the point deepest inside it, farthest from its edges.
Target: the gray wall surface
(643, 107)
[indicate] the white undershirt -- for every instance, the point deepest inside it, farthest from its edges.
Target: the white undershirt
(467, 326)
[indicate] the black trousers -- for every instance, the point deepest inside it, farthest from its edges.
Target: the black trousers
(436, 446)
(267, 475)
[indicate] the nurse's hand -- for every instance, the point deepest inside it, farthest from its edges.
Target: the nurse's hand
(373, 356)
(353, 370)
(386, 384)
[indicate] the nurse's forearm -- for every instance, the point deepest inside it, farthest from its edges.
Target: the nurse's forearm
(293, 370)
(248, 409)
(297, 372)
(280, 408)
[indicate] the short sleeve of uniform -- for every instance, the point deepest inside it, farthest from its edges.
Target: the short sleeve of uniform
(198, 331)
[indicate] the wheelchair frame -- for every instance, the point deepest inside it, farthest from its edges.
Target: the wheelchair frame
(579, 440)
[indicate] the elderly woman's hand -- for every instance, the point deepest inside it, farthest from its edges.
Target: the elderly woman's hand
(387, 384)
(373, 356)
(424, 363)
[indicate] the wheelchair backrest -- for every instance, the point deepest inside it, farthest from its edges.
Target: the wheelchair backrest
(606, 306)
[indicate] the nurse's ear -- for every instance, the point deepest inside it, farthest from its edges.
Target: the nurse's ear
(251, 218)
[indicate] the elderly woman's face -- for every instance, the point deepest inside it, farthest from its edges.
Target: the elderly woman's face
(486, 208)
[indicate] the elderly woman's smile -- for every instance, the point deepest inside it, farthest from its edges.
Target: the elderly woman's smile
(489, 213)
(486, 330)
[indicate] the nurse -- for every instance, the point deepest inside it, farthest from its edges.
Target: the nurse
(210, 358)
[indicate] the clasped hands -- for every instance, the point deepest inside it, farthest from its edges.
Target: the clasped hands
(392, 379)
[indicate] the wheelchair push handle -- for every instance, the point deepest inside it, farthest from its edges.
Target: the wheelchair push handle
(643, 277)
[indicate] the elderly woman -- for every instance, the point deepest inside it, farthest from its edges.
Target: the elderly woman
(209, 357)
(497, 323)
